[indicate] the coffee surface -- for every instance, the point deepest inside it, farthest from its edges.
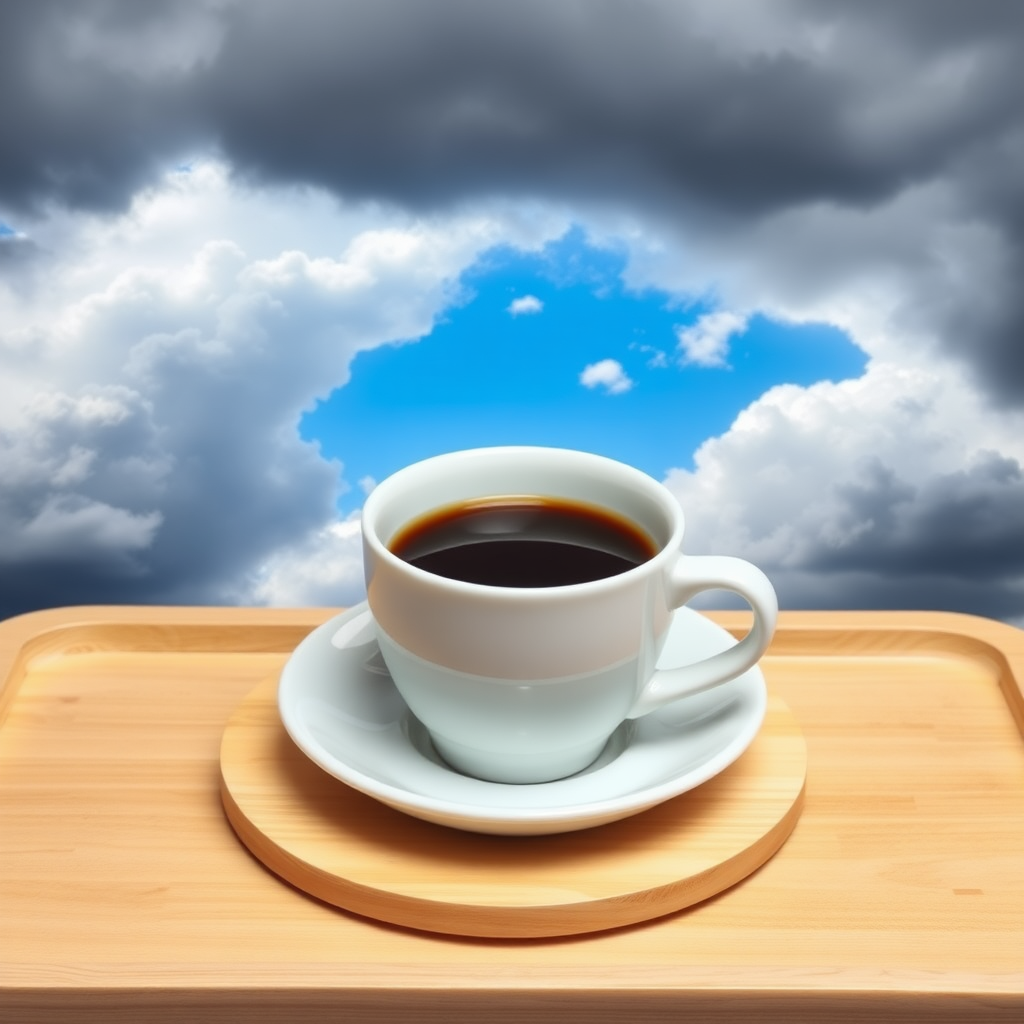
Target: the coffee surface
(523, 541)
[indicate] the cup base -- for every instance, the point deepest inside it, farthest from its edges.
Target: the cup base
(516, 769)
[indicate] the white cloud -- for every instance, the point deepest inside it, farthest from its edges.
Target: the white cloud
(323, 569)
(846, 493)
(899, 489)
(152, 390)
(706, 343)
(608, 374)
(525, 305)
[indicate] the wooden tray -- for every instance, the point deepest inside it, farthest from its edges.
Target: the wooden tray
(125, 895)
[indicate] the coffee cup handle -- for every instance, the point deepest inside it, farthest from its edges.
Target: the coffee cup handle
(690, 575)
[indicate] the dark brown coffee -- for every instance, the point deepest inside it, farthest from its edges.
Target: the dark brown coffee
(523, 541)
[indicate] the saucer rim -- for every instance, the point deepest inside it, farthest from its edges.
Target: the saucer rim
(458, 813)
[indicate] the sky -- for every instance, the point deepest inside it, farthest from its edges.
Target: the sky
(256, 256)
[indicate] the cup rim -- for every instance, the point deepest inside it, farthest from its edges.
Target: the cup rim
(657, 491)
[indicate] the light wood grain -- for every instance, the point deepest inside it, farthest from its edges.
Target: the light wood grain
(125, 895)
(346, 848)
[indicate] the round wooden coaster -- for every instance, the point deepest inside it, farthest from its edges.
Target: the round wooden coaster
(352, 851)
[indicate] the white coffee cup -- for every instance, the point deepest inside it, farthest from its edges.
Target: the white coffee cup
(527, 684)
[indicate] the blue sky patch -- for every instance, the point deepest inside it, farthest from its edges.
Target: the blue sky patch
(551, 348)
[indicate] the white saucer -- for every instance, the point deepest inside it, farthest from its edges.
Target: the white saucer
(340, 707)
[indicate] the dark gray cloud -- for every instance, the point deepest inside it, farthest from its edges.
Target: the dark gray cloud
(423, 102)
(17, 255)
(864, 590)
(967, 523)
(952, 542)
(85, 121)
(427, 102)
(680, 110)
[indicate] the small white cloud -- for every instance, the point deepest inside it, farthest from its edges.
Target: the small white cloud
(656, 358)
(367, 484)
(706, 343)
(607, 374)
(525, 305)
